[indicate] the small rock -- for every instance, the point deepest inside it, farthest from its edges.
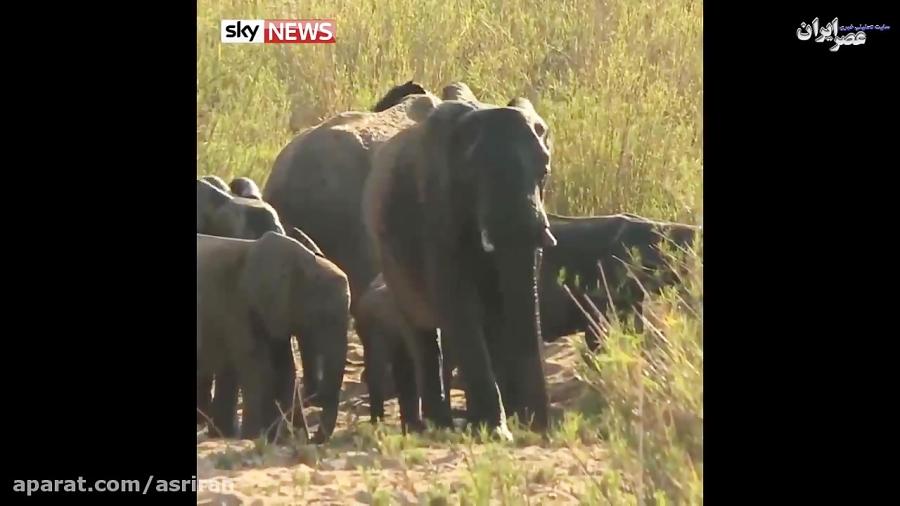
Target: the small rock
(218, 499)
(279, 457)
(321, 478)
(358, 459)
(456, 486)
(391, 463)
(205, 468)
(333, 464)
(363, 496)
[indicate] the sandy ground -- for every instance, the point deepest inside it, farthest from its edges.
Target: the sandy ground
(332, 475)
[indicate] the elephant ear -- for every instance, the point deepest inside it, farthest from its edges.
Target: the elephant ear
(267, 282)
(440, 156)
(302, 238)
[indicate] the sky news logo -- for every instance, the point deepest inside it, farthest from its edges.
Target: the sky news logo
(278, 31)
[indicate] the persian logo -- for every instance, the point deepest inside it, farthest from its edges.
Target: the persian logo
(829, 33)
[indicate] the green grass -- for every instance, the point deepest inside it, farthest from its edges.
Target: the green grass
(620, 85)
(619, 82)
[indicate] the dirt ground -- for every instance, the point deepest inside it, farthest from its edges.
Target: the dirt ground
(341, 474)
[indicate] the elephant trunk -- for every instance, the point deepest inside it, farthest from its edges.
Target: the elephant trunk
(519, 363)
(332, 360)
(523, 223)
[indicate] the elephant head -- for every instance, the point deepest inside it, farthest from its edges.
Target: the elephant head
(396, 95)
(222, 214)
(597, 252)
(502, 156)
(486, 169)
(294, 291)
(245, 187)
(459, 91)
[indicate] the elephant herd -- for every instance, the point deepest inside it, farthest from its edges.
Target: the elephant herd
(423, 222)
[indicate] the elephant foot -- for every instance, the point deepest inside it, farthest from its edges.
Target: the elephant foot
(502, 432)
(225, 432)
(414, 426)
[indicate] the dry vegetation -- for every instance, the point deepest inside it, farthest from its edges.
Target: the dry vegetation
(620, 84)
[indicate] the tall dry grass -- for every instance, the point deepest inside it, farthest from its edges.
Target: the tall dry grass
(620, 84)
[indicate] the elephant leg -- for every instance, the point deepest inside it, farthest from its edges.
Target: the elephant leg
(257, 379)
(311, 370)
(461, 326)
(375, 358)
(521, 360)
(204, 397)
(285, 380)
(332, 354)
(404, 373)
(638, 311)
(493, 341)
(435, 393)
(224, 404)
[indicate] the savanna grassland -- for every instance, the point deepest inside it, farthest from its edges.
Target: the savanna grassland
(620, 85)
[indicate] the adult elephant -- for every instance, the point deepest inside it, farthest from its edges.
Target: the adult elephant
(317, 180)
(397, 94)
(598, 251)
(390, 345)
(454, 208)
(252, 296)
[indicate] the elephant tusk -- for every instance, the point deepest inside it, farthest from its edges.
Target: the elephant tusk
(486, 241)
(547, 238)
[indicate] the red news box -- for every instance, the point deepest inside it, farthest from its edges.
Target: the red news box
(299, 31)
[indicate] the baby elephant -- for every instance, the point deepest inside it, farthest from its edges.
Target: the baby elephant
(388, 342)
(252, 296)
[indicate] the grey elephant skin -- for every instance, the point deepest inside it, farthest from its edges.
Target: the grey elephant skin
(598, 251)
(389, 344)
(317, 180)
(223, 214)
(253, 295)
(454, 210)
(245, 187)
(216, 181)
(583, 242)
